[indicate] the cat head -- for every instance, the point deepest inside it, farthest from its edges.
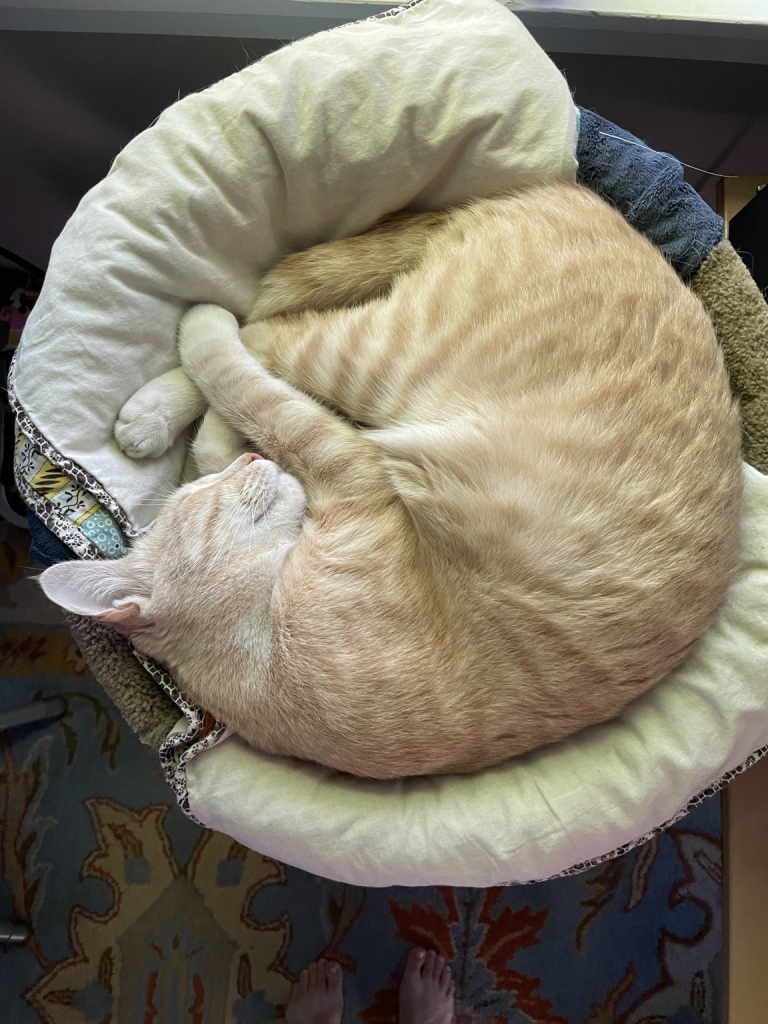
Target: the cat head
(209, 562)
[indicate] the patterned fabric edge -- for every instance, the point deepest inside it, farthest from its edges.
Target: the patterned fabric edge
(390, 13)
(393, 11)
(72, 469)
(43, 509)
(71, 514)
(178, 748)
(705, 794)
(202, 729)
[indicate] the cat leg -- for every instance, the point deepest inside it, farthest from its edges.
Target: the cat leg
(155, 415)
(335, 274)
(346, 358)
(348, 271)
(216, 445)
(327, 455)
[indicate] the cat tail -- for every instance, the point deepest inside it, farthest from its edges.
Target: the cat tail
(348, 271)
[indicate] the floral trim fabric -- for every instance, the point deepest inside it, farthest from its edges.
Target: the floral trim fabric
(66, 508)
(41, 495)
(181, 745)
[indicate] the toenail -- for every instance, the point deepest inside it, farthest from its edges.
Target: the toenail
(334, 968)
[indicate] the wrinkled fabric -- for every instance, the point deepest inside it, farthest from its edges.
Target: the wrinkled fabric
(423, 108)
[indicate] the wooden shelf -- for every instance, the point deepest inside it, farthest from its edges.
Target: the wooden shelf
(745, 921)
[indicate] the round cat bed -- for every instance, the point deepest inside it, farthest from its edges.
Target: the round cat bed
(422, 107)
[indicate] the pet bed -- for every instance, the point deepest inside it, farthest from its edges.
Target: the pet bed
(420, 107)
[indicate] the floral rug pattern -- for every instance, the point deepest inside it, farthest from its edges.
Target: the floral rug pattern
(142, 917)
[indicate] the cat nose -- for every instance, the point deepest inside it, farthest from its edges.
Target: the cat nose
(250, 457)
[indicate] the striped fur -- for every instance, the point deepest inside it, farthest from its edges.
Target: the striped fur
(508, 495)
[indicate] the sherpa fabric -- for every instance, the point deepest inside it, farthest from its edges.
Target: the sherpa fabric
(147, 709)
(740, 315)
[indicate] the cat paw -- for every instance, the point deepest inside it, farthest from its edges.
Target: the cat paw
(200, 329)
(142, 435)
(151, 420)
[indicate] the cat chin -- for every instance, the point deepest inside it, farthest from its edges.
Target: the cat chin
(290, 497)
(280, 524)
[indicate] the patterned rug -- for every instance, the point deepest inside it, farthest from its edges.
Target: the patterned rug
(142, 917)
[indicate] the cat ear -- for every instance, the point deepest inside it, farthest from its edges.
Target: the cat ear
(102, 590)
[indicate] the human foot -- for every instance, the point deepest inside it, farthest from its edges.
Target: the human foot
(316, 998)
(426, 991)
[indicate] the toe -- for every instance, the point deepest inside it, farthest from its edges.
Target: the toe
(312, 975)
(415, 959)
(303, 981)
(445, 978)
(322, 976)
(438, 969)
(334, 975)
(429, 964)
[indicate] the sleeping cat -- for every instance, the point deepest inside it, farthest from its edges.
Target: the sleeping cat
(500, 500)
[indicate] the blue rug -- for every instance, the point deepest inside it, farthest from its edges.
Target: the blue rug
(142, 917)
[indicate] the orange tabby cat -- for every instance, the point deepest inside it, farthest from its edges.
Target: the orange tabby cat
(502, 501)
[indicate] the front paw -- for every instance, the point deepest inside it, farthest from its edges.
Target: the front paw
(141, 432)
(200, 330)
(152, 419)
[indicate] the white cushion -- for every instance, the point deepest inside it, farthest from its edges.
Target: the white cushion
(535, 816)
(424, 107)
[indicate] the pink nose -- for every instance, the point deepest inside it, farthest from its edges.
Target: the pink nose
(251, 457)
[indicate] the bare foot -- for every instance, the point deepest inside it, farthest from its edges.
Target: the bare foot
(426, 991)
(316, 998)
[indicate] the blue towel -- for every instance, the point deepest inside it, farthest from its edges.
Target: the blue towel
(649, 189)
(44, 545)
